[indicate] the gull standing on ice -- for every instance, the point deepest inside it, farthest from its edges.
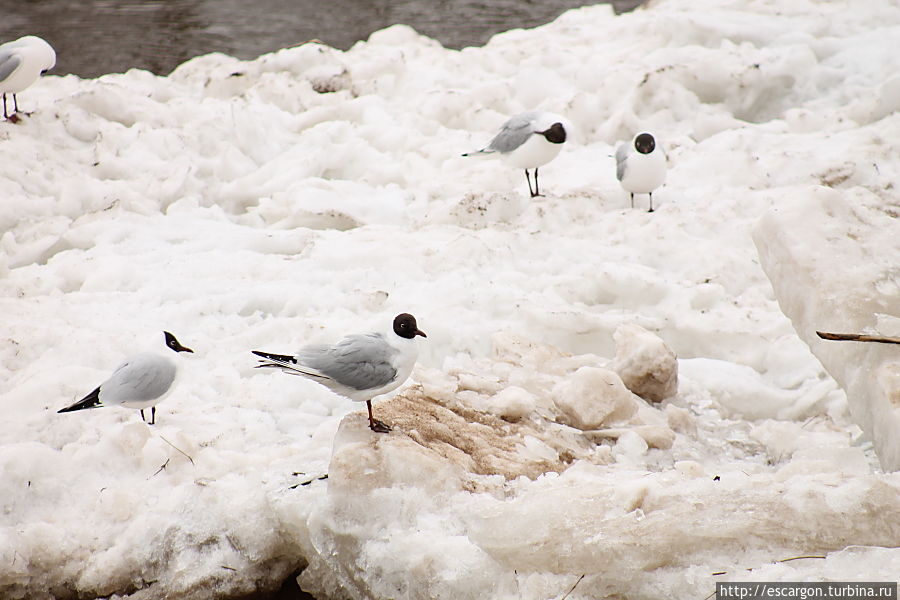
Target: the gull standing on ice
(528, 141)
(22, 61)
(641, 166)
(360, 366)
(142, 381)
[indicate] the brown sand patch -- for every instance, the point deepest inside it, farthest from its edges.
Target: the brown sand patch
(481, 443)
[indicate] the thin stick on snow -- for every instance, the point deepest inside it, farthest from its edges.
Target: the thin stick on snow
(857, 337)
(784, 560)
(159, 470)
(573, 588)
(177, 448)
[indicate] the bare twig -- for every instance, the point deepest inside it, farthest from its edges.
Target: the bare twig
(312, 41)
(159, 470)
(573, 588)
(783, 560)
(857, 337)
(177, 448)
(296, 485)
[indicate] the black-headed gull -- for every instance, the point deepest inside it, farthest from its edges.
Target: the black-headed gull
(528, 141)
(21, 63)
(641, 166)
(142, 381)
(359, 367)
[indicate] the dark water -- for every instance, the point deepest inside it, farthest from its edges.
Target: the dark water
(93, 37)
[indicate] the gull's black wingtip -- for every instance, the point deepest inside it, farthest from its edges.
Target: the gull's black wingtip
(92, 400)
(279, 357)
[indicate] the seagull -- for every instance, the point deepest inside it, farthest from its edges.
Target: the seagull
(360, 366)
(641, 166)
(142, 381)
(22, 61)
(528, 141)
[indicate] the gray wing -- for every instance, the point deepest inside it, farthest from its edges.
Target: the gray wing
(9, 62)
(141, 378)
(360, 362)
(621, 161)
(514, 133)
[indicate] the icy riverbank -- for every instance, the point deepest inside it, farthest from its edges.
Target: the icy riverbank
(313, 193)
(840, 271)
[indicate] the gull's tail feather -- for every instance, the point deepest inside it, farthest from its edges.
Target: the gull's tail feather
(92, 400)
(288, 364)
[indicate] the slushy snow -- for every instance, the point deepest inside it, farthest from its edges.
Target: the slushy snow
(313, 193)
(857, 228)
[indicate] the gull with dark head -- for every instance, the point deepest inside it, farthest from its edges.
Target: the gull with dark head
(142, 381)
(641, 166)
(528, 141)
(359, 367)
(22, 61)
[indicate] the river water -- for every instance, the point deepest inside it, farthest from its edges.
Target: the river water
(93, 37)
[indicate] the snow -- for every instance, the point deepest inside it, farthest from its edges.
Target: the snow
(313, 193)
(859, 229)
